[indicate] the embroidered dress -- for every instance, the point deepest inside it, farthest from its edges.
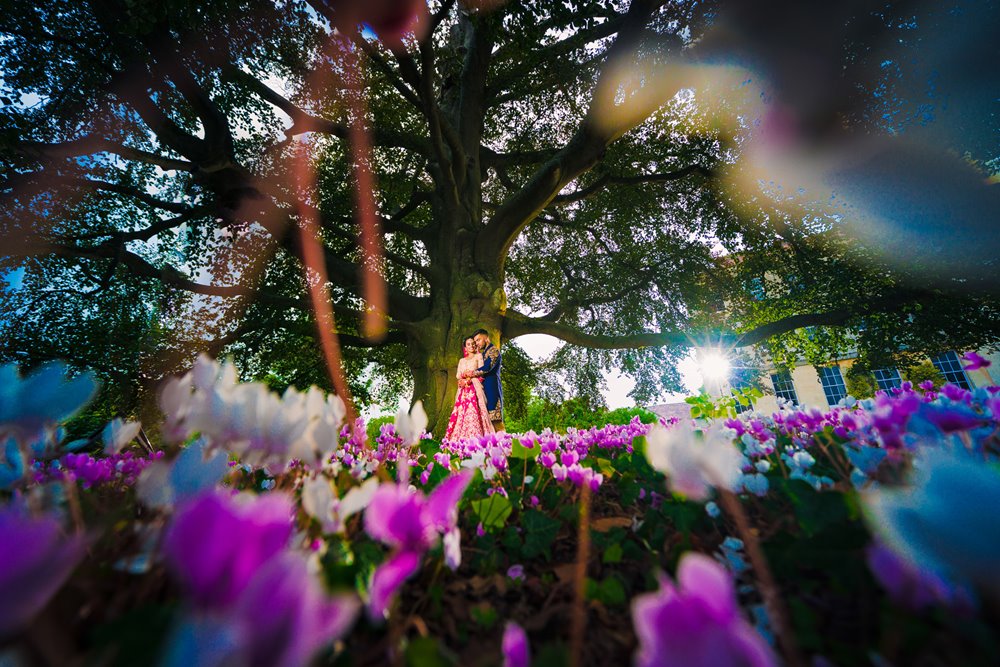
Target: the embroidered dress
(469, 418)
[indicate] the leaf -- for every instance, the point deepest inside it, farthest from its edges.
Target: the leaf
(493, 511)
(519, 451)
(485, 615)
(428, 652)
(612, 592)
(613, 554)
(540, 532)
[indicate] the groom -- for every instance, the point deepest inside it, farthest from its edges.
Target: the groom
(490, 373)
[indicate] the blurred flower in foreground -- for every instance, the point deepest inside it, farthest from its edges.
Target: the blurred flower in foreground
(281, 620)
(976, 361)
(35, 560)
(248, 419)
(320, 501)
(11, 462)
(694, 464)
(196, 469)
(410, 522)
(255, 603)
(515, 646)
(216, 543)
(117, 434)
(912, 587)
(41, 400)
(944, 522)
(410, 426)
(391, 20)
(698, 623)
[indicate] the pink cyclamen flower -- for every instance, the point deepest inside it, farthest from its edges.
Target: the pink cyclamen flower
(515, 646)
(975, 361)
(516, 572)
(285, 616)
(216, 543)
(697, 623)
(35, 561)
(412, 523)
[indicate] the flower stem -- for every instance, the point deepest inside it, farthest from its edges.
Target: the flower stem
(773, 602)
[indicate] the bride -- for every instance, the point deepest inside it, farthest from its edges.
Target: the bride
(469, 418)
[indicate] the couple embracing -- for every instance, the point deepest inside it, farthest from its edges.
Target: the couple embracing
(479, 402)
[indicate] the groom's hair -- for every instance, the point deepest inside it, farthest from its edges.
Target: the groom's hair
(481, 331)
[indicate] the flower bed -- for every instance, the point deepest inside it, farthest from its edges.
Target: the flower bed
(267, 531)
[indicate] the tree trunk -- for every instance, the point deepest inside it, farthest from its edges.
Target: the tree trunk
(473, 302)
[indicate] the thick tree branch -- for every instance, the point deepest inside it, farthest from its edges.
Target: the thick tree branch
(168, 275)
(421, 270)
(90, 145)
(608, 179)
(145, 233)
(582, 152)
(406, 81)
(515, 324)
(46, 180)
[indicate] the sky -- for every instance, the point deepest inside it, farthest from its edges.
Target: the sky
(539, 346)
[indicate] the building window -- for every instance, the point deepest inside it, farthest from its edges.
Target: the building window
(741, 407)
(951, 368)
(783, 387)
(833, 384)
(887, 378)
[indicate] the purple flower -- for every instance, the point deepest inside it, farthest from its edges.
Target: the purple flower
(387, 579)
(411, 523)
(286, 616)
(975, 361)
(912, 587)
(216, 543)
(515, 646)
(949, 418)
(516, 572)
(282, 618)
(35, 561)
(396, 516)
(697, 623)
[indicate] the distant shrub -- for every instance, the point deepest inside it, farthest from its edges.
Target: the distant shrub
(860, 382)
(923, 372)
(574, 413)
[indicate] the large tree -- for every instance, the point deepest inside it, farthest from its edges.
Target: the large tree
(530, 179)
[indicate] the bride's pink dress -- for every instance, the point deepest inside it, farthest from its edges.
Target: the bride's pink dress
(469, 418)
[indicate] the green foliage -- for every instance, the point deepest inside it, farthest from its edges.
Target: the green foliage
(519, 379)
(540, 532)
(428, 652)
(492, 512)
(860, 382)
(576, 413)
(705, 406)
(609, 591)
(923, 372)
(373, 427)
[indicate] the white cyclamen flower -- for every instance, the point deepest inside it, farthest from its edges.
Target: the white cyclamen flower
(117, 434)
(692, 461)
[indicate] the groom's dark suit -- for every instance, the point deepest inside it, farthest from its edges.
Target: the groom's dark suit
(490, 373)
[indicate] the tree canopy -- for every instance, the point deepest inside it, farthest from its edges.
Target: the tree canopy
(541, 167)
